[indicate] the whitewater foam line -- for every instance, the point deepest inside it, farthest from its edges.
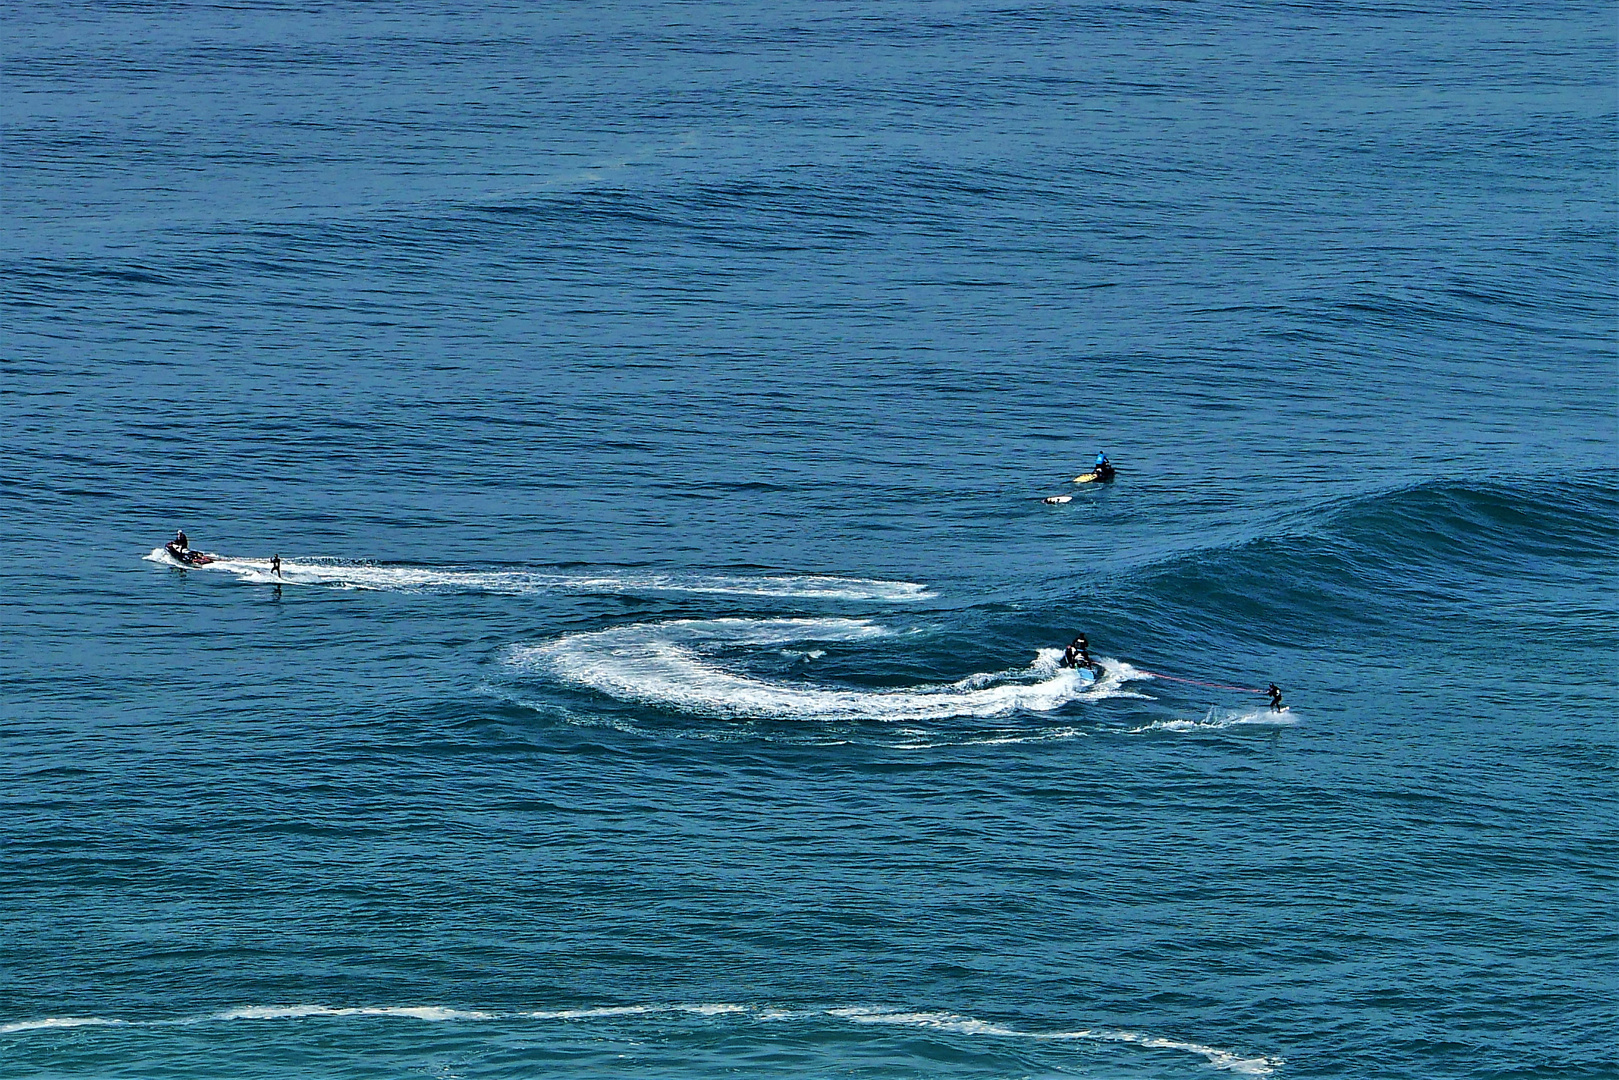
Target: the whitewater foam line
(60, 1022)
(966, 1025)
(1218, 720)
(947, 1022)
(298, 1012)
(673, 665)
(425, 579)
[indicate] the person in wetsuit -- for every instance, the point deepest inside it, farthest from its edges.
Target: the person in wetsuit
(1103, 469)
(180, 540)
(1078, 654)
(275, 565)
(1275, 693)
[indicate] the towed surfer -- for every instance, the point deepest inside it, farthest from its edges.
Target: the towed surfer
(1275, 693)
(275, 565)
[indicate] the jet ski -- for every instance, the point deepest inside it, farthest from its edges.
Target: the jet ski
(1103, 474)
(185, 556)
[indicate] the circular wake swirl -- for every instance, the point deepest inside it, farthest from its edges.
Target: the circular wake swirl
(672, 665)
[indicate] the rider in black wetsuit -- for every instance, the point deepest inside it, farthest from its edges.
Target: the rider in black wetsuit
(1275, 697)
(180, 540)
(1078, 654)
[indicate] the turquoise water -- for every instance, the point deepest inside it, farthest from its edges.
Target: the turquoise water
(652, 408)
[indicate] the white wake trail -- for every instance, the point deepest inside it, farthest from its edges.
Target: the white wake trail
(675, 665)
(430, 579)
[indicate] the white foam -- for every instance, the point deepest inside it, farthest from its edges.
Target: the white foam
(937, 1021)
(715, 1009)
(948, 1022)
(1219, 720)
(594, 1013)
(671, 665)
(967, 1025)
(59, 1022)
(426, 579)
(298, 1012)
(1220, 1059)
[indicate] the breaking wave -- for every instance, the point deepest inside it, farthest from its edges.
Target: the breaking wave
(428, 579)
(868, 1016)
(681, 665)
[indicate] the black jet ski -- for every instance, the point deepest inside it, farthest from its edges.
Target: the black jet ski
(1102, 474)
(185, 556)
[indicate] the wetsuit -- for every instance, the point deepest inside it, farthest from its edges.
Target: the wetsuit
(1275, 697)
(180, 540)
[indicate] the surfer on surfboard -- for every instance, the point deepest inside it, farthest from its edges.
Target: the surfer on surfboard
(1275, 693)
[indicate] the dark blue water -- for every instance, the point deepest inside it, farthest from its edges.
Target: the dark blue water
(651, 407)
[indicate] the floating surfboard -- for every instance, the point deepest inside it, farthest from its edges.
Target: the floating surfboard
(1057, 500)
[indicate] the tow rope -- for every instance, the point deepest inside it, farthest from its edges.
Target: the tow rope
(1200, 682)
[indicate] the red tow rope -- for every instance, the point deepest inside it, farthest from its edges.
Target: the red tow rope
(1200, 682)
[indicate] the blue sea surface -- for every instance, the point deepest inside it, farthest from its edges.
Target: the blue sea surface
(652, 405)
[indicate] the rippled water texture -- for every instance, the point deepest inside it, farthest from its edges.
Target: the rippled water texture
(651, 408)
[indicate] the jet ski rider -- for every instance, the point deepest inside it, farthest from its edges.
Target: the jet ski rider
(180, 540)
(1078, 654)
(1103, 469)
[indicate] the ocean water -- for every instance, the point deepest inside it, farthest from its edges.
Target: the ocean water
(652, 405)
